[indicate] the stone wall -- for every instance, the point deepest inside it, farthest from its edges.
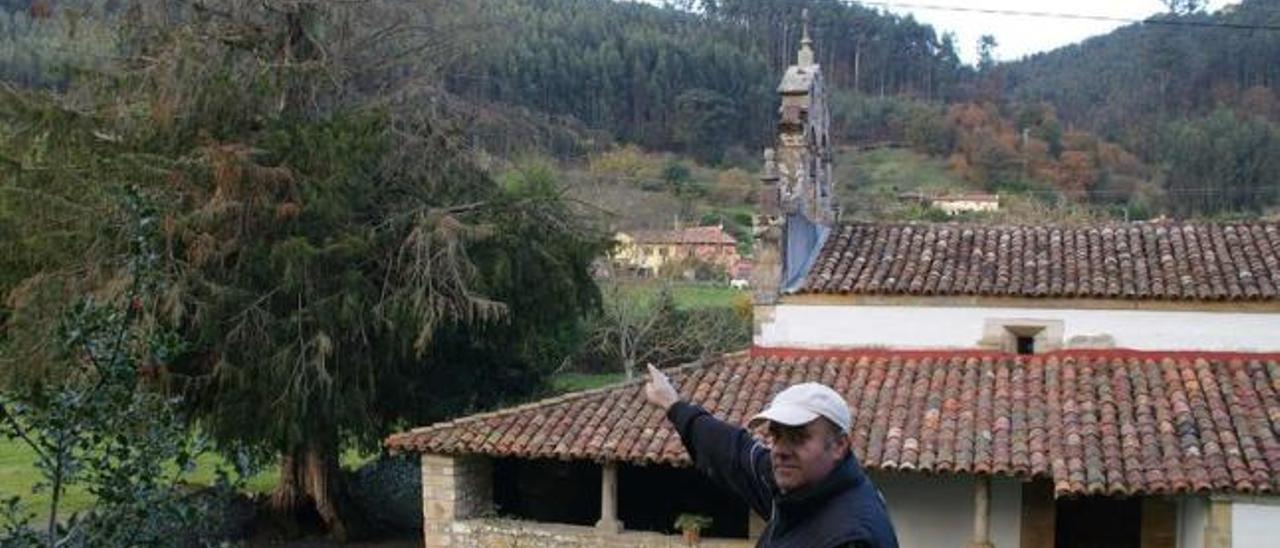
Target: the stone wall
(505, 533)
(453, 488)
(457, 505)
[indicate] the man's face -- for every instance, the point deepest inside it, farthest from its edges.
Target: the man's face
(803, 455)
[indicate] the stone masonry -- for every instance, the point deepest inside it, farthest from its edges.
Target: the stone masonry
(453, 488)
(457, 503)
(506, 533)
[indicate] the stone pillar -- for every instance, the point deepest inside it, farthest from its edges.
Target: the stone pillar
(453, 488)
(768, 228)
(609, 522)
(1217, 532)
(981, 513)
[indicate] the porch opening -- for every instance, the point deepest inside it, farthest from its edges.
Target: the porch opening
(1098, 522)
(546, 490)
(651, 497)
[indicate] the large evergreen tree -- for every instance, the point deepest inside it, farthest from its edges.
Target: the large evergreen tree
(336, 263)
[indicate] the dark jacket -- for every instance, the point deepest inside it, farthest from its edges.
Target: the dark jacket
(843, 510)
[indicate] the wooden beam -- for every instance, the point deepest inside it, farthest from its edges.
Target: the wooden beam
(1159, 523)
(1038, 515)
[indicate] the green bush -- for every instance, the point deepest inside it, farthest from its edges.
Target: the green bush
(389, 492)
(98, 421)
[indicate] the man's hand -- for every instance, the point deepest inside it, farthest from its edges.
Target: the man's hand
(659, 391)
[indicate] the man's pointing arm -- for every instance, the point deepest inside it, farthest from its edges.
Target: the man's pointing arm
(726, 453)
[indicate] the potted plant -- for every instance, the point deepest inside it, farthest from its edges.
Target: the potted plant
(691, 525)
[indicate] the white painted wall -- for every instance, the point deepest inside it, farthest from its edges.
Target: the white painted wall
(1255, 525)
(937, 511)
(1193, 517)
(919, 327)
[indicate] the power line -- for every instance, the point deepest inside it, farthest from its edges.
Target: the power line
(1065, 15)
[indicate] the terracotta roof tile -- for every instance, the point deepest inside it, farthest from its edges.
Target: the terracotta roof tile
(1201, 262)
(1094, 422)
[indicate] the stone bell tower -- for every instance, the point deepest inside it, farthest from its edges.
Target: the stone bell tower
(798, 205)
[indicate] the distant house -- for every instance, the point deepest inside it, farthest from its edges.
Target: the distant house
(647, 252)
(954, 204)
(966, 203)
(1029, 386)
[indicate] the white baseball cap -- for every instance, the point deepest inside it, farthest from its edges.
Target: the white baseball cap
(801, 404)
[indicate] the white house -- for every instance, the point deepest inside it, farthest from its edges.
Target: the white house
(1011, 386)
(955, 204)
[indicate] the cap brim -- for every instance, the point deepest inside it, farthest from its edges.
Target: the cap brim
(790, 415)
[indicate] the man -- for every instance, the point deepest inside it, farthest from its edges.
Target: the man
(805, 478)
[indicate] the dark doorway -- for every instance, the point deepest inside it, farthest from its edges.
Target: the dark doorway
(1098, 522)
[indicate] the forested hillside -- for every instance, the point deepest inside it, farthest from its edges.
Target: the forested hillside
(861, 50)
(1193, 93)
(1173, 66)
(569, 75)
(1177, 115)
(676, 80)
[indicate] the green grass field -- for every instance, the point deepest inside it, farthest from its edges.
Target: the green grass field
(18, 475)
(870, 182)
(689, 297)
(574, 382)
(895, 170)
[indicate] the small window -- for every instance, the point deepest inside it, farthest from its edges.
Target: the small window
(1022, 336)
(1026, 345)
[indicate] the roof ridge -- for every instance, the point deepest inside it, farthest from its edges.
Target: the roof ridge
(1061, 224)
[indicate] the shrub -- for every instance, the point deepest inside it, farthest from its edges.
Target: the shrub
(389, 492)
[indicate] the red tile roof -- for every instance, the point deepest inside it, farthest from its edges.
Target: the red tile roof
(1093, 422)
(1185, 262)
(695, 235)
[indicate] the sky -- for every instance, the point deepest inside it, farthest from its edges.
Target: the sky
(1018, 36)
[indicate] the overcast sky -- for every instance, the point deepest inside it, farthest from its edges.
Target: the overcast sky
(1021, 35)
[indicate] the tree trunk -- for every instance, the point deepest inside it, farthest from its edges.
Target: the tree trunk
(312, 485)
